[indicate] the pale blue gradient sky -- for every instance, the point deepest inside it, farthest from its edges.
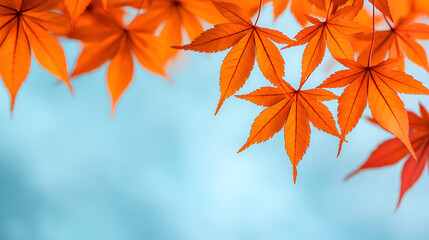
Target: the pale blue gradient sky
(166, 168)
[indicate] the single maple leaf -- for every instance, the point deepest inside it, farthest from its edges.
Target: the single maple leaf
(399, 41)
(376, 85)
(331, 32)
(292, 110)
(26, 24)
(392, 151)
(248, 41)
(106, 38)
(174, 15)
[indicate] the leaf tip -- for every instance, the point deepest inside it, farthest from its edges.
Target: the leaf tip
(246, 145)
(350, 175)
(295, 174)
(113, 109)
(219, 105)
(12, 106)
(340, 146)
(12, 102)
(66, 80)
(399, 203)
(71, 89)
(168, 78)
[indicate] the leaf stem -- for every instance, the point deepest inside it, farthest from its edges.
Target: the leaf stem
(388, 23)
(259, 12)
(327, 18)
(327, 11)
(373, 35)
(301, 84)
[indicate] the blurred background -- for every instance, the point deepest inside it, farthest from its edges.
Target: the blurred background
(166, 168)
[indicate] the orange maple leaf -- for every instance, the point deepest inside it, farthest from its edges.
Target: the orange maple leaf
(392, 151)
(25, 24)
(331, 32)
(377, 85)
(174, 15)
(106, 38)
(292, 110)
(399, 39)
(247, 41)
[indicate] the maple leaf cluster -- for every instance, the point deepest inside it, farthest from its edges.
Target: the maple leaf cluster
(374, 74)
(152, 32)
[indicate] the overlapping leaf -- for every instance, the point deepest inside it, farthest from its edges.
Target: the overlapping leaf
(331, 32)
(376, 85)
(301, 9)
(106, 38)
(109, 34)
(392, 151)
(174, 15)
(399, 41)
(248, 41)
(251, 7)
(75, 8)
(292, 110)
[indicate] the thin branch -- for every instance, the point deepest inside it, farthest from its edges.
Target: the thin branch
(373, 36)
(259, 12)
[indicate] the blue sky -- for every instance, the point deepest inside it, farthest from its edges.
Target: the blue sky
(166, 168)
